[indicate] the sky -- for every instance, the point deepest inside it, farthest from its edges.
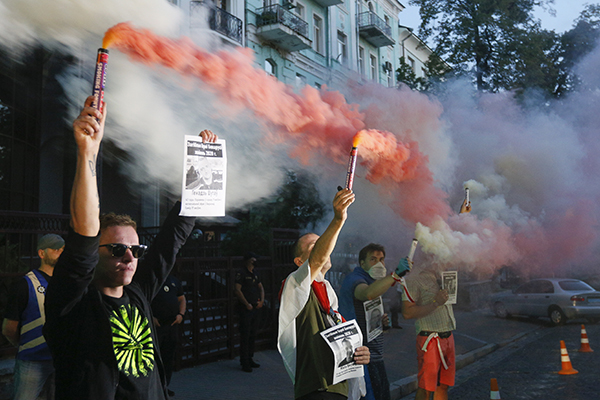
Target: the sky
(566, 12)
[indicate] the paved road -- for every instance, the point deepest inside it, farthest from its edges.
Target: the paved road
(528, 369)
(478, 334)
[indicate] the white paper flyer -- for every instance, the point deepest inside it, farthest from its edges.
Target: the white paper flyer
(204, 178)
(450, 283)
(343, 340)
(374, 317)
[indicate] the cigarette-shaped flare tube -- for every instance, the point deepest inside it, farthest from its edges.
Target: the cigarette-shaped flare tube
(467, 195)
(413, 248)
(100, 79)
(351, 168)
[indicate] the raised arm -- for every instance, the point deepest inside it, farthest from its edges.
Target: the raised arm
(88, 130)
(324, 246)
(411, 310)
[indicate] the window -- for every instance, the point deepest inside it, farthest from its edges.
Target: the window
(317, 85)
(373, 65)
(299, 10)
(411, 62)
(342, 47)
(300, 81)
(361, 60)
(271, 67)
(387, 19)
(390, 80)
(21, 90)
(318, 34)
(574, 285)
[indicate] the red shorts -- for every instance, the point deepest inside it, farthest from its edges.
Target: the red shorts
(431, 369)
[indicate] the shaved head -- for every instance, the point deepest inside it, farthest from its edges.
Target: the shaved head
(304, 246)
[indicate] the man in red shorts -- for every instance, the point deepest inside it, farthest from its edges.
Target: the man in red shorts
(425, 300)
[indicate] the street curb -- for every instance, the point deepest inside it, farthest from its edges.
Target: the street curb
(405, 386)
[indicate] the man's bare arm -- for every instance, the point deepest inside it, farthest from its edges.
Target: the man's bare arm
(326, 243)
(364, 292)
(10, 329)
(88, 130)
(411, 310)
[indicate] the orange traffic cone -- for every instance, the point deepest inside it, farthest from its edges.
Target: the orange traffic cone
(567, 368)
(585, 343)
(494, 391)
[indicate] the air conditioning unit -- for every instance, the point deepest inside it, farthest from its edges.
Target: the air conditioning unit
(387, 66)
(289, 4)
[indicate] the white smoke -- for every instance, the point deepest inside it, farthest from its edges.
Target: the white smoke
(529, 170)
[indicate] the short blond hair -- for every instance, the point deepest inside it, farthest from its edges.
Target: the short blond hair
(112, 219)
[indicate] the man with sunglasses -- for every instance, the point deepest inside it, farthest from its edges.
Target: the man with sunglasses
(98, 314)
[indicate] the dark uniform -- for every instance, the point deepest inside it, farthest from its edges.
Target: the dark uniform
(248, 318)
(165, 308)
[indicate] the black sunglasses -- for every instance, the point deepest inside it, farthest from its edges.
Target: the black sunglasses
(119, 250)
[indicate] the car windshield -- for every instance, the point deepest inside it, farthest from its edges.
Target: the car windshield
(574, 285)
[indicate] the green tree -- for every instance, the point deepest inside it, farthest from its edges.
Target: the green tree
(476, 35)
(530, 62)
(575, 44)
(437, 71)
(295, 205)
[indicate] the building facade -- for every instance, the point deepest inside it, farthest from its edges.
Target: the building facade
(314, 42)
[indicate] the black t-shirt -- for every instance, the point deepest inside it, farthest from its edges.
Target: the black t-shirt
(249, 281)
(165, 305)
(134, 350)
(19, 297)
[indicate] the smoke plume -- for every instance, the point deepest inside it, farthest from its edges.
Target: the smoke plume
(530, 170)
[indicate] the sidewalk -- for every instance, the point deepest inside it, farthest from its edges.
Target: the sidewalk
(478, 333)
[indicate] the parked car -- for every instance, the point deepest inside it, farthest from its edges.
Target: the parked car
(558, 299)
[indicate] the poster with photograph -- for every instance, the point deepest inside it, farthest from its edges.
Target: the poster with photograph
(343, 340)
(450, 283)
(373, 316)
(204, 178)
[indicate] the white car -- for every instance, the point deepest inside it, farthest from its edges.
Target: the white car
(558, 299)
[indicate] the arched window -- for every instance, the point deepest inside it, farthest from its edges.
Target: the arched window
(271, 67)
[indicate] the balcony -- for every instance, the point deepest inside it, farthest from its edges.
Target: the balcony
(219, 20)
(374, 30)
(329, 3)
(226, 24)
(282, 28)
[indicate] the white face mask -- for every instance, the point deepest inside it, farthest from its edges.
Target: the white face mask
(378, 271)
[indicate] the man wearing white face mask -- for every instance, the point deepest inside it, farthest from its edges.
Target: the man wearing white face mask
(367, 282)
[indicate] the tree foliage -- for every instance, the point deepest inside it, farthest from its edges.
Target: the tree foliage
(295, 205)
(436, 71)
(477, 35)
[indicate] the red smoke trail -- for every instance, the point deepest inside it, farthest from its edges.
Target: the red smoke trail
(321, 120)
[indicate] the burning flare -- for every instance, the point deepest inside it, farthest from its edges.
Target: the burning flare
(317, 120)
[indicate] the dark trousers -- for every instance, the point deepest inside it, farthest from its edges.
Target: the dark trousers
(321, 395)
(248, 323)
(379, 380)
(167, 342)
(396, 307)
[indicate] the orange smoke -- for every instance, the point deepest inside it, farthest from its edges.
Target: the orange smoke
(318, 121)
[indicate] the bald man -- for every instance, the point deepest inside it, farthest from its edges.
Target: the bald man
(308, 307)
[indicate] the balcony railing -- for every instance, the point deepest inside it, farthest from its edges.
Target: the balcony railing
(276, 14)
(219, 20)
(226, 24)
(374, 29)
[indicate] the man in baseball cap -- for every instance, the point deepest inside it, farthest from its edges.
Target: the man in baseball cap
(24, 319)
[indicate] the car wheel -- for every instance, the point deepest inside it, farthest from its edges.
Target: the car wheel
(557, 316)
(500, 310)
